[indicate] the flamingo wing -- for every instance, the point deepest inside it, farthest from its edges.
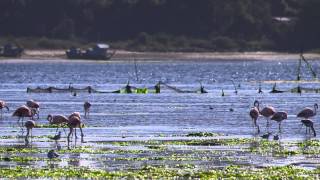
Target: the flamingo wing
(305, 113)
(267, 111)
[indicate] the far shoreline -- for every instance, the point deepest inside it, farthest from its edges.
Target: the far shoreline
(122, 55)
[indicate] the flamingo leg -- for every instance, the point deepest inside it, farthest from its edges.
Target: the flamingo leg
(70, 132)
(81, 133)
(280, 127)
(75, 134)
(314, 131)
(27, 135)
(64, 131)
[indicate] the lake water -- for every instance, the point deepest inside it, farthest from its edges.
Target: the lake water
(166, 115)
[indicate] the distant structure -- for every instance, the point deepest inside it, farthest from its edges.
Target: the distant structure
(10, 50)
(97, 52)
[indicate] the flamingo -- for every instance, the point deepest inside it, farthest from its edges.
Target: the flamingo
(307, 112)
(33, 105)
(77, 114)
(29, 125)
(86, 107)
(73, 123)
(309, 124)
(59, 120)
(3, 105)
(254, 114)
(279, 117)
(266, 112)
(22, 112)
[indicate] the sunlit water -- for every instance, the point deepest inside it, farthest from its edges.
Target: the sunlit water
(169, 114)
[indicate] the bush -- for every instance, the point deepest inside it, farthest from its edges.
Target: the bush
(224, 44)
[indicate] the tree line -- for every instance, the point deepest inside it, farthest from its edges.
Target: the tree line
(166, 25)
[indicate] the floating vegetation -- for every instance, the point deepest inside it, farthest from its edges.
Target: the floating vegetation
(50, 126)
(24, 159)
(54, 126)
(202, 134)
(150, 172)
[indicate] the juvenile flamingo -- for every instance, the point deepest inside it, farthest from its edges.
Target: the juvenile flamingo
(29, 125)
(86, 107)
(73, 123)
(309, 125)
(22, 112)
(266, 112)
(3, 105)
(279, 117)
(59, 120)
(254, 114)
(307, 112)
(34, 105)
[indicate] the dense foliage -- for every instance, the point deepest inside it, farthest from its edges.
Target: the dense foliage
(169, 24)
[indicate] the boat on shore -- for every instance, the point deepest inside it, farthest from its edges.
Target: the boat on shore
(10, 50)
(97, 52)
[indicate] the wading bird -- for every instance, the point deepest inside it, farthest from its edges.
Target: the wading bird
(59, 120)
(22, 112)
(309, 125)
(56, 137)
(254, 114)
(307, 112)
(86, 107)
(279, 117)
(29, 125)
(73, 123)
(266, 112)
(3, 105)
(33, 105)
(52, 154)
(77, 114)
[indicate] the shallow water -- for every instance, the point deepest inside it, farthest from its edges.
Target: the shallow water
(164, 116)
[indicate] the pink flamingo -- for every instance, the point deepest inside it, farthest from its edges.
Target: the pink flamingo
(307, 112)
(73, 123)
(34, 105)
(266, 112)
(3, 105)
(309, 125)
(279, 117)
(30, 124)
(22, 112)
(59, 120)
(86, 107)
(254, 114)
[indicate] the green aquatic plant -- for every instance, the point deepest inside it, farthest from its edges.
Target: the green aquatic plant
(309, 143)
(202, 134)
(24, 159)
(50, 126)
(155, 172)
(54, 126)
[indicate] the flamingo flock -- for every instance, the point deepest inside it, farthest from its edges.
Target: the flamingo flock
(73, 121)
(269, 112)
(31, 108)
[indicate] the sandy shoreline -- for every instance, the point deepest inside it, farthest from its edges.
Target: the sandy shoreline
(122, 55)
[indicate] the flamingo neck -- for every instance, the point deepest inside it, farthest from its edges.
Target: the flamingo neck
(315, 110)
(258, 106)
(50, 119)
